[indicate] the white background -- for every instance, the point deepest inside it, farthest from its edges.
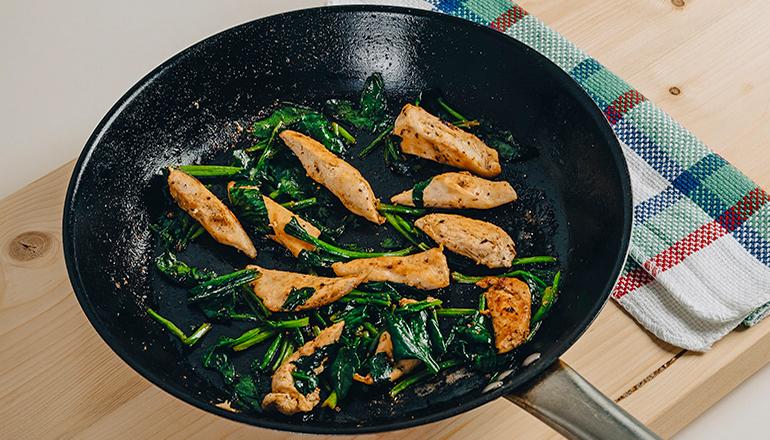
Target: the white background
(65, 63)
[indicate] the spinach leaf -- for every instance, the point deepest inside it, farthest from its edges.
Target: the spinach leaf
(305, 378)
(241, 159)
(305, 383)
(373, 101)
(302, 119)
(410, 338)
(436, 337)
(179, 271)
(383, 287)
(314, 259)
(176, 230)
(509, 148)
(222, 284)
(286, 116)
(380, 368)
(471, 340)
(249, 164)
(249, 206)
(295, 229)
(219, 297)
(417, 192)
(292, 182)
(345, 365)
(397, 162)
(216, 359)
(297, 297)
(344, 110)
(220, 307)
(317, 127)
(249, 392)
(371, 113)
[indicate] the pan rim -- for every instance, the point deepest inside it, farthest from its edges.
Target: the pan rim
(521, 378)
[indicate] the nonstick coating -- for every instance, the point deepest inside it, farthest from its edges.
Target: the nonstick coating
(575, 195)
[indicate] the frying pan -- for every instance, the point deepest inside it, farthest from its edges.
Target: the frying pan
(575, 194)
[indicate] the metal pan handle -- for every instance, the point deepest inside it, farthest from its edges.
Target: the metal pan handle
(568, 403)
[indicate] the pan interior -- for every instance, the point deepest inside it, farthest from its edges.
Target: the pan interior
(574, 196)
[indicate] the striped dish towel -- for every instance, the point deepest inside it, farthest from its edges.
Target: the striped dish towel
(699, 262)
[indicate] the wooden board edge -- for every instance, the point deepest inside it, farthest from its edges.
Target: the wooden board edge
(699, 380)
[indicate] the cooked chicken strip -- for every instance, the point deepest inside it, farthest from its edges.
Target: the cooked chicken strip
(274, 286)
(427, 136)
(480, 241)
(459, 190)
(279, 218)
(284, 396)
(400, 368)
(335, 174)
(425, 270)
(509, 301)
(195, 199)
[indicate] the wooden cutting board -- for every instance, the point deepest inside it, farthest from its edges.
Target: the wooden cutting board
(58, 379)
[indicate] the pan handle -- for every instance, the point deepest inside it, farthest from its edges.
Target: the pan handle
(568, 403)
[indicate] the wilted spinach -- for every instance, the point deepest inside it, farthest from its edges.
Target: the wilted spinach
(302, 119)
(471, 340)
(380, 368)
(411, 340)
(215, 358)
(176, 229)
(371, 112)
(249, 206)
(509, 148)
(179, 271)
(297, 297)
(345, 365)
(305, 377)
(249, 392)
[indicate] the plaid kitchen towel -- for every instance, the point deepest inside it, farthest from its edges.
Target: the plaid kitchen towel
(699, 262)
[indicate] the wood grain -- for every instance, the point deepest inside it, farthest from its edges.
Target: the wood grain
(713, 51)
(59, 380)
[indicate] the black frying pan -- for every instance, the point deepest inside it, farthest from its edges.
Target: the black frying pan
(577, 191)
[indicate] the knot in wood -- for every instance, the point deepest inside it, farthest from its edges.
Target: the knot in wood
(678, 3)
(29, 245)
(674, 90)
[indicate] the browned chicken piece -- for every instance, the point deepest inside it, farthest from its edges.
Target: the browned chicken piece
(279, 217)
(425, 270)
(509, 301)
(202, 205)
(478, 240)
(400, 368)
(284, 395)
(427, 136)
(274, 286)
(460, 190)
(338, 176)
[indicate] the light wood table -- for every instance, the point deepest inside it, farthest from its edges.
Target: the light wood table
(706, 63)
